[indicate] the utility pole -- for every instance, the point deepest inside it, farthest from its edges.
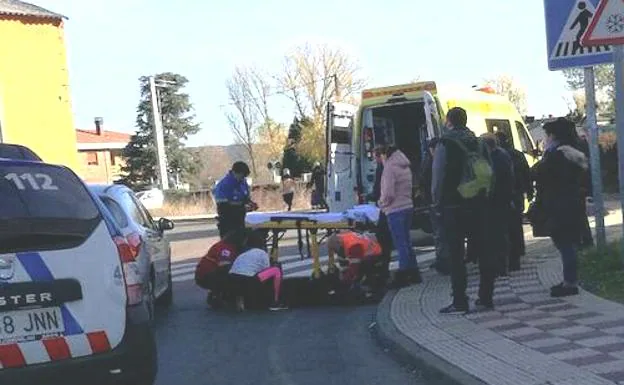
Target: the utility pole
(159, 137)
(594, 151)
(336, 88)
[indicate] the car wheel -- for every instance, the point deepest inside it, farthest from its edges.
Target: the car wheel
(146, 361)
(166, 299)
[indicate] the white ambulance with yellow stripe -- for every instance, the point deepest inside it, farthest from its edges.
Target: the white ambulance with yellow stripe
(406, 116)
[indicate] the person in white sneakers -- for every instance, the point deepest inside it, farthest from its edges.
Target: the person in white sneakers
(250, 273)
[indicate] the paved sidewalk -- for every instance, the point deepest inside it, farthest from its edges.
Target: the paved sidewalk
(529, 339)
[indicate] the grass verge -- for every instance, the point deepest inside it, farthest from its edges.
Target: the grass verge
(602, 271)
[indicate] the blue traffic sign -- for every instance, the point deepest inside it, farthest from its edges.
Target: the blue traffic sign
(566, 22)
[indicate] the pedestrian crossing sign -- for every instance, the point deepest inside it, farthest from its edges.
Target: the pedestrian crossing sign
(566, 23)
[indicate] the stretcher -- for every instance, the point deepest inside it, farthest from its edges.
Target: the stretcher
(276, 225)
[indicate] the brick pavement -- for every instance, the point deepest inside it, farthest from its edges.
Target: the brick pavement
(529, 339)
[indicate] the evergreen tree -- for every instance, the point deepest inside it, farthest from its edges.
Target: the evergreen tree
(178, 124)
(292, 159)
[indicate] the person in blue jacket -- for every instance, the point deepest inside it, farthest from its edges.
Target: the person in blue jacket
(233, 198)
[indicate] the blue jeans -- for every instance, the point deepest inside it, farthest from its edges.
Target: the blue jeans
(400, 224)
(568, 258)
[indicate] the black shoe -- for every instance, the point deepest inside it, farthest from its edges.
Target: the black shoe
(414, 276)
(455, 309)
(563, 291)
(277, 307)
(484, 305)
(441, 268)
(401, 279)
(214, 300)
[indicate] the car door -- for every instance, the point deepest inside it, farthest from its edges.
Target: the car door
(158, 245)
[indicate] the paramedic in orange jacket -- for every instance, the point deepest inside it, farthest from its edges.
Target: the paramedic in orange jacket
(360, 250)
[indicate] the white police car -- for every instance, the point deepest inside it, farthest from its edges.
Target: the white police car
(72, 309)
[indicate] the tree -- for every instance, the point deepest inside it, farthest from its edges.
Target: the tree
(506, 85)
(249, 119)
(291, 159)
(576, 107)
(178, 123)
(313, 76)
(272, 138)
(604, 81)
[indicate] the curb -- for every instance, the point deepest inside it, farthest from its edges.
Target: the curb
(420, 360)
(193, 219)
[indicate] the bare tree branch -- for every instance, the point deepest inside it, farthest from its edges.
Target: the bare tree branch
(313, 76)
(244, 120)
(506, 85)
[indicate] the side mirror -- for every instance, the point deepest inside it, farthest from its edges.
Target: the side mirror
(165, 224)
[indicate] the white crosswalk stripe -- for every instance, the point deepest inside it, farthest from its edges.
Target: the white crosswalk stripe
(292, 265)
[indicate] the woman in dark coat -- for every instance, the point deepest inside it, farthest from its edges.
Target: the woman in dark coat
(559, 179)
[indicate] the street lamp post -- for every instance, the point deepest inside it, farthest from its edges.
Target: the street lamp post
(159, 135)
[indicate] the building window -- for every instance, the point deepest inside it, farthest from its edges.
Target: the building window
(115, 157)
(92, 158)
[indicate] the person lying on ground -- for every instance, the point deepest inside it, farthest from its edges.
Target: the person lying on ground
(212, 270)
(250, 273)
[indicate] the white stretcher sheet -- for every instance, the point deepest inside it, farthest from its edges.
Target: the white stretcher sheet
(360, 213)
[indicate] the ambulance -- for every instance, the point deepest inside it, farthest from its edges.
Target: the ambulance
(406, 116)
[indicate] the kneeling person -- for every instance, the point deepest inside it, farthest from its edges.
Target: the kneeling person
(212, 270)
(358, 253)
(251, 271)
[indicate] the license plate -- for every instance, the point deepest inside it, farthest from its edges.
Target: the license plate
(23, 325)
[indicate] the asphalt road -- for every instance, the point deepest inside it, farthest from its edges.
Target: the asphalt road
(318, 345)
(321, 345)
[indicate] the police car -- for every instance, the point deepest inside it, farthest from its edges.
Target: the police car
(72, 302)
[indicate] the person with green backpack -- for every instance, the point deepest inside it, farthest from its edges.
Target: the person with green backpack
(462, 182)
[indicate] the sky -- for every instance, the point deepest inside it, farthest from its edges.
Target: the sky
(111, 43)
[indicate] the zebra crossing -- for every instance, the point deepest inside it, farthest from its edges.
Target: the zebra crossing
(293, 265)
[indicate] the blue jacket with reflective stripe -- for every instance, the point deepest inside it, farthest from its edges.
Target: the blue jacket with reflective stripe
(230, 190)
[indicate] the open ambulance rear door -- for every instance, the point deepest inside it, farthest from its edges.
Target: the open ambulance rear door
(341, 162)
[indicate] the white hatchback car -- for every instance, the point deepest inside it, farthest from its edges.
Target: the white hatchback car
(147, 235)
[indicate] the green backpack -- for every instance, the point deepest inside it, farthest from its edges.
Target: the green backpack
(477, 174)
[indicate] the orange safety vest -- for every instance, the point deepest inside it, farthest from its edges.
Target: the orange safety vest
(360, 246)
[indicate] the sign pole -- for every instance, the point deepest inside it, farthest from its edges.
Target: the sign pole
(594, 155)
(618, 58)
